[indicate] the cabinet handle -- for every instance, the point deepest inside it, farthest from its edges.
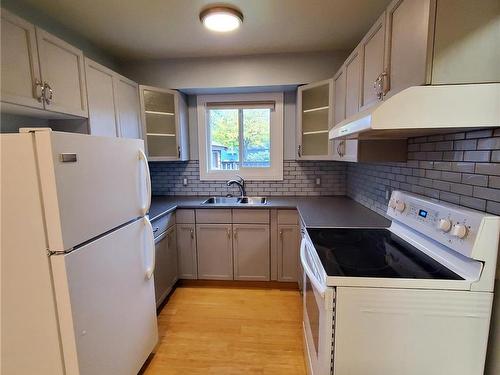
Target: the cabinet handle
(338, 149)
(380, 85)
(192, 234)
(228, 233)
(39, 94)
(235, 234)
(299, 151)
(281, 234)
(179, 151)
(47, 88)
(342, 148)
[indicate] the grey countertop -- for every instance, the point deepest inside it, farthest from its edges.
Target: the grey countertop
(335, 211)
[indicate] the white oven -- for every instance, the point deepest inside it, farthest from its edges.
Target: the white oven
(318, 305)
(411, 299)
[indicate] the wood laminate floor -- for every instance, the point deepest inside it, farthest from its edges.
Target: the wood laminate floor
(220, 330)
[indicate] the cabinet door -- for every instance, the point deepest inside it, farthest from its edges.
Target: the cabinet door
(62, 68)
(127, 107)
(372, 47)
(353, 82)
(160, 123)
(19, 62)
(314, 118)
(408, 43)
(160, 273)
(186, 251)
(339, 96)
(215, 251)
(288, 252)
(171, 266)
(101, 99)
(251, 246)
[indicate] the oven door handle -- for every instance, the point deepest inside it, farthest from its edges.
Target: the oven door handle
(314, 281)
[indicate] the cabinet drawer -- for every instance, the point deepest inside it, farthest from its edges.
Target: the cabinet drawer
(249, 216)
(184, 216)
(161, 224)
(288, 217)
(213, 216)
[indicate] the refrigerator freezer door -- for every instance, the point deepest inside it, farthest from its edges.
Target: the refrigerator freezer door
(106, 302)
(90, 185)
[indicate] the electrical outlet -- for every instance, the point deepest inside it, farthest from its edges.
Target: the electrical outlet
(185, 181)
(388, 192)
(318, 181)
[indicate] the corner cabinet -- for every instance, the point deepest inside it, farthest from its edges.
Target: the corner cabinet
(40, 72)
(165, 124)
(113, 100)
(314, 119)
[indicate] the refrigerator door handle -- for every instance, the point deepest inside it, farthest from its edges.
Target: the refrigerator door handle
(145, 208)
(151, 269)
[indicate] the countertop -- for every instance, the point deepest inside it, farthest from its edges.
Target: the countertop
(316, 212)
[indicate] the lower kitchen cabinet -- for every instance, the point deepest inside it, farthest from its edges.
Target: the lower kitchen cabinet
(186, 251)
(215, 251)
(288, 252)
(251, 250)
(165, 274)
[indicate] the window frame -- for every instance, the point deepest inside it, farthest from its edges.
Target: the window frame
(272, 173)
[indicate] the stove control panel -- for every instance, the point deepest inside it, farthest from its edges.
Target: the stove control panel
(453, 226)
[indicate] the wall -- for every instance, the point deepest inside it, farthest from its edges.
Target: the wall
(236, 71)
(299, 179)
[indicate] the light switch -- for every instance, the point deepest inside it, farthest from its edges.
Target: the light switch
(185, 181)
(318, 181)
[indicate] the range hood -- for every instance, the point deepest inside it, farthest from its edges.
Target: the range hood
(424, 110)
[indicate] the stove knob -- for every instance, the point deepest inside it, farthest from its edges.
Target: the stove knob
(392, 204)
(459, 230)
(400, 206)
(444, 225)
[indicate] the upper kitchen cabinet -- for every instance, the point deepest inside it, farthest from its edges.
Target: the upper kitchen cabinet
(314, 119)
(466, 42)
(40, 71)
(62, 69)
(409, 39)
(103, 119)
(372, 52)
(441, 42)
(353, 82)
(339, 95)
(21, 80)
(165, 125)
(127, 107)
(113, 100)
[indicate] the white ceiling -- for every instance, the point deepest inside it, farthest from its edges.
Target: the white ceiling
(136, 29)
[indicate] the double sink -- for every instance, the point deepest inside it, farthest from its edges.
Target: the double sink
(254, 201)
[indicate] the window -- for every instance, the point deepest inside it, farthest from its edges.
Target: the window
(241, 133)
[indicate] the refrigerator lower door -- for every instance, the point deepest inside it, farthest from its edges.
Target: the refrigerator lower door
(90, 185)
(106, 302)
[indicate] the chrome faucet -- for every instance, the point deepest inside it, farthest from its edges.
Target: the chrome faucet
(240, 182)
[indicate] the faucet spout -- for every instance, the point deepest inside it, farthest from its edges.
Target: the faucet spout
(240, 183)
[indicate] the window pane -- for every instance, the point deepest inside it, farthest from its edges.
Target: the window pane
(256, 138)
(224, 139)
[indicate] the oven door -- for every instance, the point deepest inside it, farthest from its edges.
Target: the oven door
(317, 314)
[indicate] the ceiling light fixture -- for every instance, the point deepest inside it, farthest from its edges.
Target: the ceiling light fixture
(221, 18)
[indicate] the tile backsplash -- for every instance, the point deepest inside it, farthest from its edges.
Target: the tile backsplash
(299, 178)
(461, 168)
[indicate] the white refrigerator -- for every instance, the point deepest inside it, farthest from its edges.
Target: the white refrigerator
(77, 255)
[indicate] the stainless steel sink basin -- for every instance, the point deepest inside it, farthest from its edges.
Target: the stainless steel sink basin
(236, 200)
(253, 200)
(222, 200)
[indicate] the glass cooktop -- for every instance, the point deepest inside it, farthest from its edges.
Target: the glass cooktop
(374, 253)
